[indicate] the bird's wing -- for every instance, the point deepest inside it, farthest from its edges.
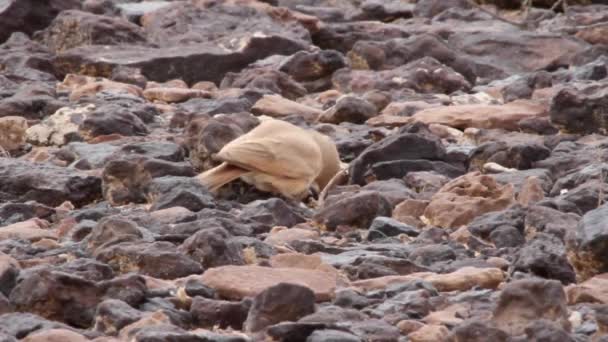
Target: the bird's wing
(284, 156)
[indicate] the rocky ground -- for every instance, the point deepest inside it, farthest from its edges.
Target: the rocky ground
(473, 209)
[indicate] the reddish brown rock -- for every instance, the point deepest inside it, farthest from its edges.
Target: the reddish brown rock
(464, 198)
(33, 230)
(237, 282)
(172, 95)
(277, 106)
(429, 333)
(460, 280)
(55, 335)
(12, 133)
(505, 116)
(593, 290)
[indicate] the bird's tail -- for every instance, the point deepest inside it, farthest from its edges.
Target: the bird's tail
(215, 178)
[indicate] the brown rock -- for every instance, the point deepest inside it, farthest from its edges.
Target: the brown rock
(531, 191)
(32, 230)
(172, 95)
(408, 326)
(461, 280)
(237, 282)
(12, 132)
(75, 28)
(594, 290)
(467, 278)
(285, 236)
(524, 301)
(464, 198)
(594, 34)
(429, 333)
(408, 209)
(55, 335)
(82, 86)
(505, 116)
(450, 316)
(277, 106)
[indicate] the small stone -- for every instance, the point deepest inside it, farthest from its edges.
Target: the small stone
(383, 227)
(349, 109)
(284, 236)
(209, 313)
(12, 132)
(429, 333)
(357, 210)
(465, 198)
(279, 303)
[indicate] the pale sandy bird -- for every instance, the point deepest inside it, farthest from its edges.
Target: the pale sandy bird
(277, 157)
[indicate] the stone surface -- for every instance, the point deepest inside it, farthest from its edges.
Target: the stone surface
(279, 303)
(13, 130)
(505, 116)
(525, 300)
(22, 180)
(239, 281)
(465, 198)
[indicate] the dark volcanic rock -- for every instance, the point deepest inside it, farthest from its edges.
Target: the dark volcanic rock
(187, 192)
(58, 296)
(208, 313)
(587, 247)
(396, 52)
(425, 75)
(523, 301)
(211, 248)
(349, 109)
(581, 110)
(112, 315)
(193, 34)
(29, 16)
(401, 146)
(113, 119)
(279, 303)
(158, 259)
(545, 256)
(273, 81)
(33, 102)
(21, 324)
(518, 51)
(383, 227)
(357, 210)
(45, 183)
(76, 28)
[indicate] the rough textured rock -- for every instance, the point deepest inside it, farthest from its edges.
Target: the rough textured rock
(23, 181)
(580, 110)
(13, 130)
(76, 28)
(505, 116)
(281, 302)
(523, 301)
(391, 148)
(30, 16)
(239, 281)
(465, 198)
(586, 248)
(357, 210)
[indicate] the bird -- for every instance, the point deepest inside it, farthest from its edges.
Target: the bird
(276, 157)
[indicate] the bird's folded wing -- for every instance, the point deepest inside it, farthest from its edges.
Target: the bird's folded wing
(289, 157)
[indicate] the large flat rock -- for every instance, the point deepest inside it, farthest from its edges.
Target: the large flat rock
(237, 282)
